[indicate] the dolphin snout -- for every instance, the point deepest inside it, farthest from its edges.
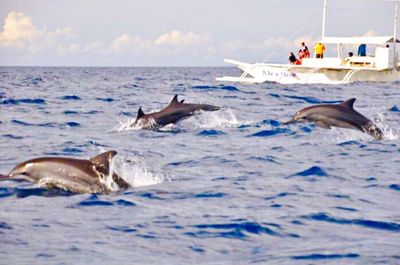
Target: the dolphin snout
(374, 131)
(209, 107)
(289, 122)
(4, 176)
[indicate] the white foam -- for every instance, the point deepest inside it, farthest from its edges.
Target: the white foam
(134, 171)
(217, 119)
(126, 124)
(383, 122)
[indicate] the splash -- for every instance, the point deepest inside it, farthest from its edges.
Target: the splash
(134, 171)
(127, 124)
(217, 119)
(204, 120)
(383, 122)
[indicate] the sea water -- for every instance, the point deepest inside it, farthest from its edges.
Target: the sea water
(234, 186)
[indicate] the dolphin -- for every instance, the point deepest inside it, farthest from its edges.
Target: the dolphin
(175, 111)
(341, 115)
(70, 174)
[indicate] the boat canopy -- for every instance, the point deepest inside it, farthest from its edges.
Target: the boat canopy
(359, 40)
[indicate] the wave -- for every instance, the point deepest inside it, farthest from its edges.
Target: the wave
(312, 171)
(268, 133)
(319, 256)
(213, 88)
(12, 101)
(380, 225)
(235, 230)
(312, 100)
(71, 97)
(47, 124)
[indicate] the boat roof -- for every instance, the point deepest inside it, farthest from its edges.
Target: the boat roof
(359, 40)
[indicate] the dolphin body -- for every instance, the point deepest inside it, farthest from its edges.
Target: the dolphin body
(337, 115)
(175, 111)
(70, 174)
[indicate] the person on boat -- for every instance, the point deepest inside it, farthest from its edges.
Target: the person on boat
(292, 58)
(347, 60)
(319, 50)
(302, 55)
(362, 50)
(305, 50)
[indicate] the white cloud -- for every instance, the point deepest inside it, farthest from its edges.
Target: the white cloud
(20, 33)
(18, 28)
(177, 38)
(370, 33)
(127, 43)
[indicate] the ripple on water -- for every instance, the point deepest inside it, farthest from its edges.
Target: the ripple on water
(312, 171)
(213, 88)
(105, 99)
(93, 200)
(73, 124)
(313, 100)
(269, 133)
(210, 133)
(318, 256)
(46, 124)
(121, 228)
(23, 100)
(71, 97)
(380, 225)
(395, 108)
(238, 230)
(395, 187)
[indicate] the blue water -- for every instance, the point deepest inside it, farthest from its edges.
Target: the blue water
(228, 187)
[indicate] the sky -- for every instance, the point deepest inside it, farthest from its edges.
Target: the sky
(176, 32)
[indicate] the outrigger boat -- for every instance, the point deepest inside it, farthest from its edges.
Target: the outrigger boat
(382, 66)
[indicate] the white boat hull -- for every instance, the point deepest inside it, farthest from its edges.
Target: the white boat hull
(297, 74)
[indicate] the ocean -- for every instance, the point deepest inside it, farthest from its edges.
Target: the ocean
(234, 186)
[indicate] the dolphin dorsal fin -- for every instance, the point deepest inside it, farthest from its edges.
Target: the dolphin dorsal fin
(140, 113)
(349, 103)
(182, 101)
(103, 160)
(174, 100)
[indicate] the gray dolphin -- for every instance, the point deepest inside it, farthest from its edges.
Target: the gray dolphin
(70, 174)
(337, 115)
(175, 111)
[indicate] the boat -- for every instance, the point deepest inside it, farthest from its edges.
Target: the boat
(381, 66)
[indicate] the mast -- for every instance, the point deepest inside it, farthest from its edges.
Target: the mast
(323, 20)
(395, 56)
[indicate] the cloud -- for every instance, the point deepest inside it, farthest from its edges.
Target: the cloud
(18, 29)
(19, 33)
(370, 33)
(177, 38)
(127, 43)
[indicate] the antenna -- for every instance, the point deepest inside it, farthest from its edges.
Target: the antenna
(395, 57)
(323, 20)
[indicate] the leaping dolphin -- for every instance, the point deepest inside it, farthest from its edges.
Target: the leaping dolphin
(70, 174)
(337, 115)
(175, 111)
